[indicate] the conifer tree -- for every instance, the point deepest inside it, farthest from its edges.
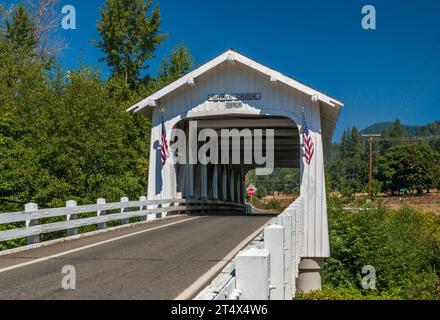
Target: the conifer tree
(129, 36)
(178, 64)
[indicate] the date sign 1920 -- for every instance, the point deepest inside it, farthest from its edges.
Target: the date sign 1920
(234, 104)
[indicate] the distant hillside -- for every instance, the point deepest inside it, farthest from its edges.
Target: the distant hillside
(380, 127)
(427, 130)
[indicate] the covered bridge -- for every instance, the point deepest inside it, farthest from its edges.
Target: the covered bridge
(230, 92)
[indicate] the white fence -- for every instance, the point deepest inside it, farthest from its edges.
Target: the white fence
(268, 268)
(33, 222)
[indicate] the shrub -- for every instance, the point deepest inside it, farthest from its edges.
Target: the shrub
(11, 243)
(273, 204)
(347, 294)
(402, 245)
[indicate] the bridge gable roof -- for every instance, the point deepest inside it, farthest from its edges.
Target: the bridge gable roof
(233, 56)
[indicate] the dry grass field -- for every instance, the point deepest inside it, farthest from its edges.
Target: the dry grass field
(283, 202)
(427, 202)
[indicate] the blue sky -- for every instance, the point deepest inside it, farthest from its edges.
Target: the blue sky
(382, 74)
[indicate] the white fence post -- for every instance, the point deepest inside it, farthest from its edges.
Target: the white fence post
(295, 246)
(28, 207)
(142, 208)
(71, 204)
(124, 221)
(299, 214)
(252, 272)
(274, 243)
(100, 213)
(289, 288)
(165, 213)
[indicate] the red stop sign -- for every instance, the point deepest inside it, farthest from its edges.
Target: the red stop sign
(251, 192)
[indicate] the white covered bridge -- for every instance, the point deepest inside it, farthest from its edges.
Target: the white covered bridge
(231, 92)
(209, 128)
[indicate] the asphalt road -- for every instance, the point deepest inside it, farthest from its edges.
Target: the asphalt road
(159, 262)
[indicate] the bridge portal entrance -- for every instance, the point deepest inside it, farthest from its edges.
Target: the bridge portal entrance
(242, 143)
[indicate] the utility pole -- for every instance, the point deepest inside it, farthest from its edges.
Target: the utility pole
(370, 175)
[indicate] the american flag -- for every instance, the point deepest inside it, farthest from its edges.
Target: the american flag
(164, 144)
(309, 147)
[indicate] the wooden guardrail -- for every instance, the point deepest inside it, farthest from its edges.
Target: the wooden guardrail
(144, 210)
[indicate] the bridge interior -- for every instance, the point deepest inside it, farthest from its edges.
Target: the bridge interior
(225, 180)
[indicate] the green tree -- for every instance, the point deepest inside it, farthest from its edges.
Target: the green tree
(436, 145)
(396, 130)
(24, 95)
(354, 143)
(411, 167)
(393, 136)
(19, 28)
(348, 169)
(178, 64)
(88, 153)
(57, 141)
(129, 36)
(261, 192)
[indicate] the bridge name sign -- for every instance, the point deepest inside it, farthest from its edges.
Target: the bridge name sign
(234, 100)
(222, 97)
